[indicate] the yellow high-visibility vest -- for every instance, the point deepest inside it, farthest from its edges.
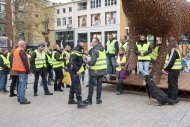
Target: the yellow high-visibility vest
(101, 62)
(49, 59)
(125, 46)
(143, 49)
(111, 46)
(5, 61)
(178, 63)
(40, 60)
(55, 63)
(119, 68)
(154, 54)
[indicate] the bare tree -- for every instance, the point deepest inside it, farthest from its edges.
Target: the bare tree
(28, 15)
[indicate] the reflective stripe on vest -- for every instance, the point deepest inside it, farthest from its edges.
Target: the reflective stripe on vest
(17, 61)
(5, 61)
(125, 46)
(101, 62)
(178, 63)
(55, 63)
(40, 60)
(143, 49)
(111, 46)
(119, 68)
(154, 54)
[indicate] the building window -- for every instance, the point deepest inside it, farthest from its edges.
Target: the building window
(110, 2)
(58, 22)
(2, 10)
(64, 21)
(95, 3)
(95, 19)
(110, 18)
(63, 10)
(82, 6)
(69, 20)
(82, 21)
(58, 11)
(70, 9)
(3, 30)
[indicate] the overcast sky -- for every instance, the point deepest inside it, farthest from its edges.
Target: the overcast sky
(60, 1)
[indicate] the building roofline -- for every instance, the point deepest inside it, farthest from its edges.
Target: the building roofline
(75, 1)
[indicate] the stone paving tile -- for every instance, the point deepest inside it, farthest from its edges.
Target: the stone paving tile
(127, 110)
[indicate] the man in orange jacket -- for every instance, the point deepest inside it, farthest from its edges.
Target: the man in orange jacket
(21, 65)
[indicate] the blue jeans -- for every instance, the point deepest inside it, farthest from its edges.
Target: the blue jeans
(144, 67)
(44, 80)
(2, 81)
(93, 81)
(23, 80)
(111, 65)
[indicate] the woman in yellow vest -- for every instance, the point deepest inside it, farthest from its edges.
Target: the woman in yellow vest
(66, 55)
(173, 66)
(121, 72)
(143, 51)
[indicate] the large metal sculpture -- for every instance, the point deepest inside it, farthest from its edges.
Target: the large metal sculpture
(161, 18)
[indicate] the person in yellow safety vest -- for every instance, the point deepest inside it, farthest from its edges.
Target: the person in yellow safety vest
(112, 49)
(4, 70)
(98, 68)
(57, 63)
(124, 43)
(66, 54)
(75, 70)
(121, 70)
(143, 50)
(173, 66)
(155, 52)
(39, 68)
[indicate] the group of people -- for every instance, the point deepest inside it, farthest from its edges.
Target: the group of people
(100, 61)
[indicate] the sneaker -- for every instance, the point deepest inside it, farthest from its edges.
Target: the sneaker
(12, 95)
(87, 85)
(98, 101)
(118, 93)
(35, 94)
(5, 91)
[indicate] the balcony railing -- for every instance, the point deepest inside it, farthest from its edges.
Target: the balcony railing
(82, 8)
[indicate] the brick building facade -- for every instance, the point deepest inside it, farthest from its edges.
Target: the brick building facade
(6, 27)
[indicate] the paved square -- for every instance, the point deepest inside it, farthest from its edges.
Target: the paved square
(127, 110)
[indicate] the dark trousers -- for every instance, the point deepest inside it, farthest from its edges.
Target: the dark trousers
(58, 79)
(44, 81)
(93, 81)
(14, 84)
(119, 86)
(173, 84)
(75, 87)
(50, 75)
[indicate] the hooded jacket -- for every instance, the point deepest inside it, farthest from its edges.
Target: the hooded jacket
(94, 55)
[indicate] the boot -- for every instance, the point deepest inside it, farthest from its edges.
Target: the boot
(98, 101)
(48, 93)
(80, 104)
(72, 102)
(87, 101)
(25, 102)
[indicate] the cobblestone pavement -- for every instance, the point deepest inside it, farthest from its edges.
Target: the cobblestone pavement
(127, 110)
